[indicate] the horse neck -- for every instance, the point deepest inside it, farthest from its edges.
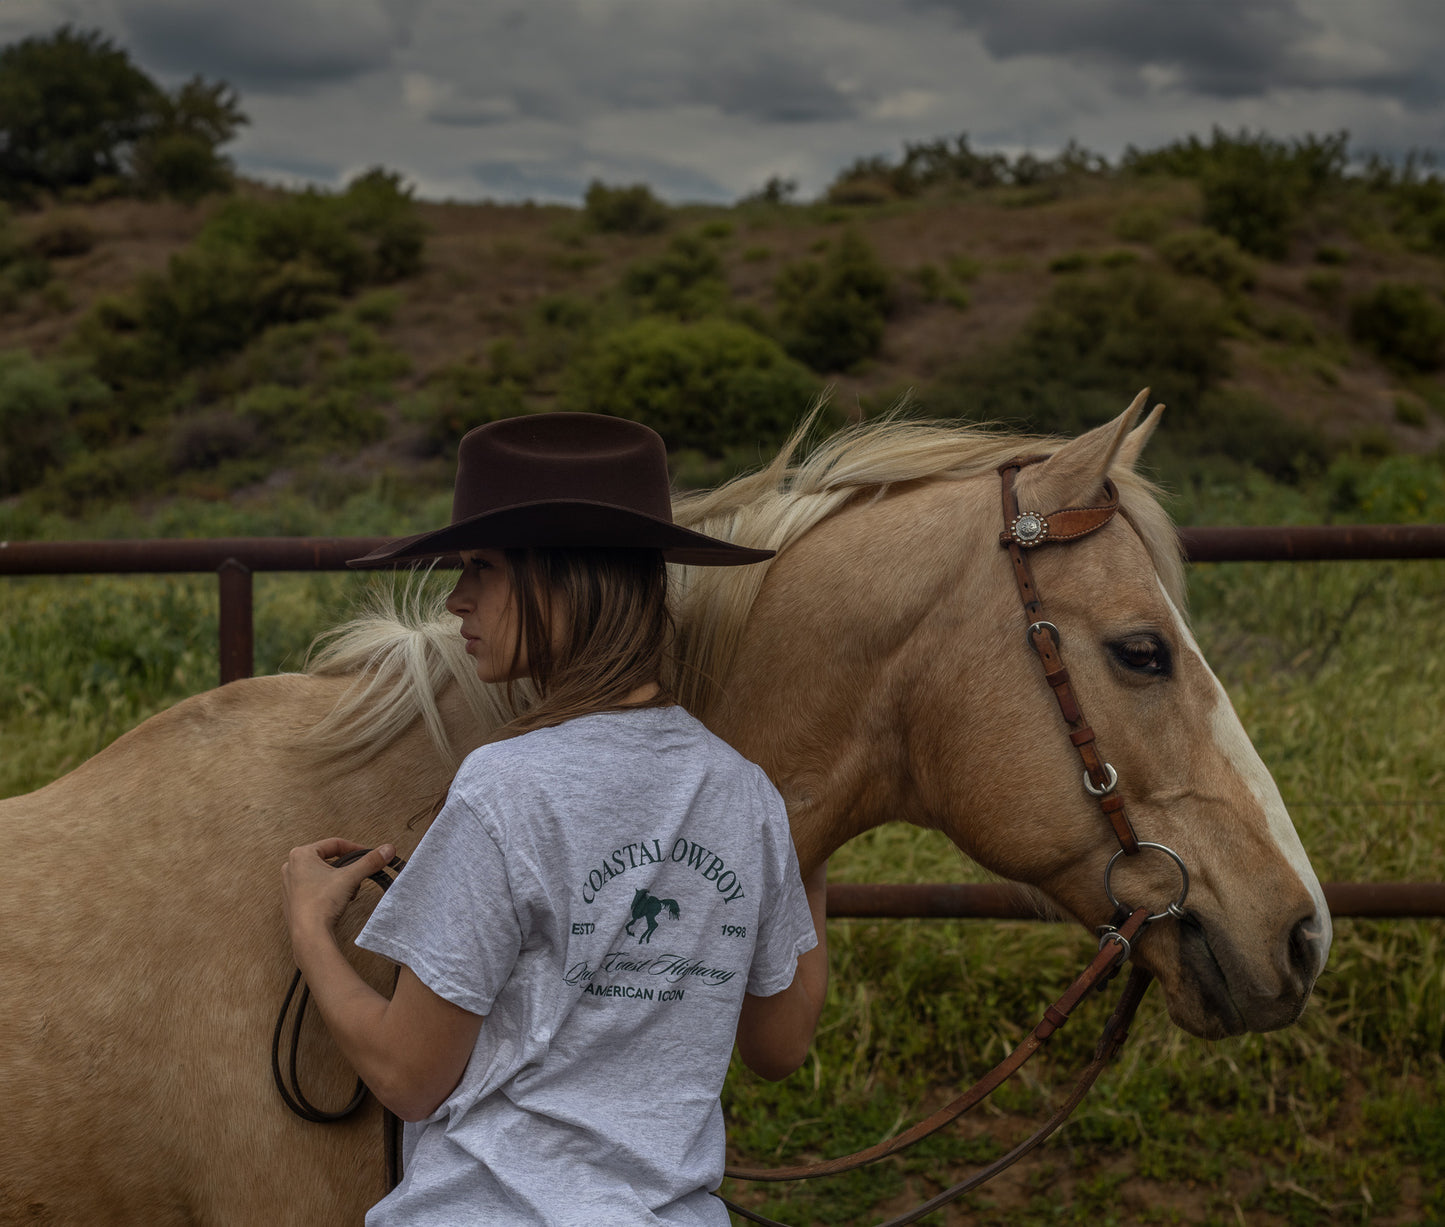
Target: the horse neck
(849, 620)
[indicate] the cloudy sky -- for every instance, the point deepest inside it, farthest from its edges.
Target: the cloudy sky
(511, 99)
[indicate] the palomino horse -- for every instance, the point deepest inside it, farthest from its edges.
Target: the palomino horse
(877, 669)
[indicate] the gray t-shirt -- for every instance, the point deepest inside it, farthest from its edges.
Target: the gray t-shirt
(604, 892)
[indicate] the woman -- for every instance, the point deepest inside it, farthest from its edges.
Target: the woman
(610, 896)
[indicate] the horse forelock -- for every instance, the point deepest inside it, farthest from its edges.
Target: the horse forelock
(404, 651)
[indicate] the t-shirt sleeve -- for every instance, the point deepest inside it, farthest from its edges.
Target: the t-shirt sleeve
(450, 915)
(785, 922)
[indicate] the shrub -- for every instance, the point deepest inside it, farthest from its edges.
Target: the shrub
(60, 236)
(1251, 207)
(178, 156)
(209, 439)
(964, 267)
(379, 307)
(1125, 328)
(1245, 428)
(321, 354)
(1410, 412)
(304, 229)
(256, 265)
(857, 188)
(1253, 188)
(1402, 322)
(288, 416)
(686, 280)
(182, 165)
(209, 303)
(709, 385)
(1326, 285)
(1096, 338)
(1396, 489)
(379, 208)
(930, 281)
(776, 191)
(831, 313)
(455, 399)
(564, 311)
(943, 164)
(624, 210)
(24, 273)
(1140, 225)
(39, 403)
(1208, 254)
(133, 468)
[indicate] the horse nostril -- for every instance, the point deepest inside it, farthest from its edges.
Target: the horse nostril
(1304, 949)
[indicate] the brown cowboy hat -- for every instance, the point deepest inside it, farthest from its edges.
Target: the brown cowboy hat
(563, 480)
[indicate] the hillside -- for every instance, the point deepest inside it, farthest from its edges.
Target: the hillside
(267, 362)
(250, 344)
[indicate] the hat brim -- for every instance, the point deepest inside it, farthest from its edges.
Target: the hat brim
(564, 524)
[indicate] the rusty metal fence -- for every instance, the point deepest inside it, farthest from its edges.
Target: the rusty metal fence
(234, 560)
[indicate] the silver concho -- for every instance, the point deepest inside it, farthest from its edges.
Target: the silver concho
(1030, 528)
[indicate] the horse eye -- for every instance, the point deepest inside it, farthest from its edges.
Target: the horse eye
(1143, 654)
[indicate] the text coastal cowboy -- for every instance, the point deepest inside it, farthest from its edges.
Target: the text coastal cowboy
(649, 852)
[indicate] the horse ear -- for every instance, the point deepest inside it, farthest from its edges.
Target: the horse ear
(1074, 474)
(1133, 446)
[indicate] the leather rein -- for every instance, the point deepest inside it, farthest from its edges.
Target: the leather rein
(288, 1081)
(1023, 532)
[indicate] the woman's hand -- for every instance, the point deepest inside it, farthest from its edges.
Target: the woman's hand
(314, 894)
(412, 1049)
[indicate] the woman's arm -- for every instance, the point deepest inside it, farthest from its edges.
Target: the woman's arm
(410, 1050)
(774, 1033)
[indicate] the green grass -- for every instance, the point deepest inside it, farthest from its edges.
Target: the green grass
(1336, 672)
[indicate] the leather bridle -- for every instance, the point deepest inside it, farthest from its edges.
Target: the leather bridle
(1028, 530)
(1023, 532)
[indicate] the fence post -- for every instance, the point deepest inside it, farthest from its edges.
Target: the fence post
(237, 640)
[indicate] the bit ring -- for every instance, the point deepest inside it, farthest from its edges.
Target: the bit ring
(1176, 908)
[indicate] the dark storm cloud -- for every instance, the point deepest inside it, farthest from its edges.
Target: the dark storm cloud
(707, 100)
(753, 83)
(570, 60)
(266, 44)
(1223, 48)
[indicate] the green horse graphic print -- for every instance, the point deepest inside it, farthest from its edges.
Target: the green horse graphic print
(646, 907)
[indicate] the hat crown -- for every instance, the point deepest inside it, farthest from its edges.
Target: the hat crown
(552, 481)
(562, 457)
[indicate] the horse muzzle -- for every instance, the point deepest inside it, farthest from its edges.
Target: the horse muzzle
(1220, 990)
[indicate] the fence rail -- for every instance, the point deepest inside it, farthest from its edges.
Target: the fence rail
(1004, 901)
(234, 560)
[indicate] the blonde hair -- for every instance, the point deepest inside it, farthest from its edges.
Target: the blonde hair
(595, 627)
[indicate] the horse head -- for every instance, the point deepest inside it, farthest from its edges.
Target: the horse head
(886, 674)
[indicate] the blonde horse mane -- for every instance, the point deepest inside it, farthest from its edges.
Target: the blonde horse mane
(404, 651)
